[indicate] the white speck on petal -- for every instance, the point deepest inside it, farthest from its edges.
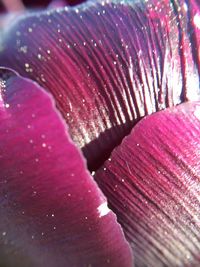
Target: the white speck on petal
(103, 209)
(185, 7)
(197, 21)
(197, 112)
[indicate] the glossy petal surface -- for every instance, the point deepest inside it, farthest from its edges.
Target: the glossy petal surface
(108, 64)
(52, 212)
(152, 181)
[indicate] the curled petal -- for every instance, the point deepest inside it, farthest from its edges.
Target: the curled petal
(108, 64)
(52, 212)
(152, 181)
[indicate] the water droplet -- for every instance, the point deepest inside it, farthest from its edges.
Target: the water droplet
(44, 145)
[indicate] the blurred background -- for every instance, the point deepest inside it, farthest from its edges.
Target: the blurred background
(15, 4)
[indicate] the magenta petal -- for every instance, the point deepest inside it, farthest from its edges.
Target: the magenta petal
(63, 3)
(108, 64)
(152, 181)
(52, 212)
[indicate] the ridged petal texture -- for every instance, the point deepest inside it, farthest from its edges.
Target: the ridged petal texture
(108, 64)
(153, 183)
(52, 212)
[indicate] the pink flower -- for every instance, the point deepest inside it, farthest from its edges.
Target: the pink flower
(99, 135)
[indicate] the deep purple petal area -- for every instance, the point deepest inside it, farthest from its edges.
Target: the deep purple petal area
(108, 64)
(52, 212)
(152, 181)
(2, 9)
(36, 3)
(43, 3)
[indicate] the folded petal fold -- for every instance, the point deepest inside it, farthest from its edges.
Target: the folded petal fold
(152, 182)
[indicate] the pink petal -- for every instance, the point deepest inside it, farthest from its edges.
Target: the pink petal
(13, 5)
(107, 65)
(152, 181)
(57, 3)
(52, 212)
